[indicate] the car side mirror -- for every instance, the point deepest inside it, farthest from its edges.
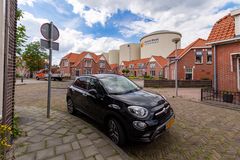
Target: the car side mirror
(93, 92)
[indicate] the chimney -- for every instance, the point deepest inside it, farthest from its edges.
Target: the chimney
(236, 15)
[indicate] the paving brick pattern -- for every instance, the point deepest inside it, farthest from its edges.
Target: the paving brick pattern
(200, 132)
(62, 137)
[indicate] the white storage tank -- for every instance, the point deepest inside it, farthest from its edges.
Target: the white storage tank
(159, 43)
(106, 55)
(113, 57)
(128, 52)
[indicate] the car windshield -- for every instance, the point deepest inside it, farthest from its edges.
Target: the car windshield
(119, 85)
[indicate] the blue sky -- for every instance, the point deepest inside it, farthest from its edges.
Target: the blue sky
(100, 26)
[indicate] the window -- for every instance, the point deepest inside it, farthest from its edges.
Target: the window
(94, 84)
(131, 66)
(102, 64)
(77, 72)
(88, 63)
(161, 73)
(65, 63)
(81, 83)
(88, 71)
(188, 73)
(152, 73)
(199, 56)
(209, 56)
(152, 65)
(140, 65)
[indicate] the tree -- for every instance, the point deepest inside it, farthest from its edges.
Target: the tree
(34, 56)
(127, 71)
(21, 36)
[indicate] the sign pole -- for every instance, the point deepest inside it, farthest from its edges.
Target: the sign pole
(49, 70)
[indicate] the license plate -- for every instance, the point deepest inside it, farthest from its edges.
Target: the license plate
(170, 123)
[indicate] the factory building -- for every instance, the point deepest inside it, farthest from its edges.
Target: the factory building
(158, 43)
(113, 57)
(129, 52)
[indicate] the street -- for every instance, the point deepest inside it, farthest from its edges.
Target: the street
(200, 132)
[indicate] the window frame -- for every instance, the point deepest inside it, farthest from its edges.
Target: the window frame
(209, 62)
(196, 55)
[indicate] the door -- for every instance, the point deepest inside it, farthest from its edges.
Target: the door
(96, 103)
(79, 90)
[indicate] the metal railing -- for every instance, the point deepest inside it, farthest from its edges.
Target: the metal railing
(220, 96)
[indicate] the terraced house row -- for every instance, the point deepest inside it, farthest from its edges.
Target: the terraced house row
(76, 64)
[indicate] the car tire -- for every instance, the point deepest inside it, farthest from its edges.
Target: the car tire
(115, 132)
(70, 106)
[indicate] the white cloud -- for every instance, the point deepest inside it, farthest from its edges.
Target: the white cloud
(192, 18)
(70, 39)
(26, 2)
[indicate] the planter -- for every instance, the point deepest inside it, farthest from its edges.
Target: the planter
(227, 98)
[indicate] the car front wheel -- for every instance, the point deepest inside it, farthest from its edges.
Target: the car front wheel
(70, 106)
(116, 132)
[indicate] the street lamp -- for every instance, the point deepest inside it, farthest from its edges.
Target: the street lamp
(176, 40)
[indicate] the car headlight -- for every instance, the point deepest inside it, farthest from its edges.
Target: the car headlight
(137, 111)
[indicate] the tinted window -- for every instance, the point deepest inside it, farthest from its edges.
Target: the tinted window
(94, 84)
(81, 83)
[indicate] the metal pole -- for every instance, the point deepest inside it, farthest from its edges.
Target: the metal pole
(49, 71)
(176, 71)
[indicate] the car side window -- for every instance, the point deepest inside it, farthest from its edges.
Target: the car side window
(81, 83)
(94, 84)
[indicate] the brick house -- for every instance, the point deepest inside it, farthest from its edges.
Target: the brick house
(195, 62)
(114, 68)
(225, 41)
(74, 64)
(153, 66)
(137, 68)
(7, 59)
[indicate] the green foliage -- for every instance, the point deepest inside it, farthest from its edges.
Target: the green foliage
(21, 36)
(127, 71)
(34, 56)
(16, 131)
(124, 71)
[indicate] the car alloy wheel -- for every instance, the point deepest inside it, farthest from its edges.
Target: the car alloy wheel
(70, 106)
(113, 131)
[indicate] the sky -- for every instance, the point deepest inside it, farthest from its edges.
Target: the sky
(102, 25)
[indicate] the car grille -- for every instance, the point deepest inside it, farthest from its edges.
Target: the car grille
(163, 113)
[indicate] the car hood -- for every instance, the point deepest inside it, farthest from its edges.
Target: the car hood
(140, 98)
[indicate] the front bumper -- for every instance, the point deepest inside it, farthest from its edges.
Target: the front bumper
(150, 133)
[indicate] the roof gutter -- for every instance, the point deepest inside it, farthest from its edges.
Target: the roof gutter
(235, 39)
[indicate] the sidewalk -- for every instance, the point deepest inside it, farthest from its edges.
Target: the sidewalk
(62, 137)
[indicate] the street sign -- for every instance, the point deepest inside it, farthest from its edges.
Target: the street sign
(45, 30)
(51, 34)
(46, 44)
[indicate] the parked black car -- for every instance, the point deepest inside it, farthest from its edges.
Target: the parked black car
(124, 108)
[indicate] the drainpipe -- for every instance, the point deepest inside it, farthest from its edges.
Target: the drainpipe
(215, 68)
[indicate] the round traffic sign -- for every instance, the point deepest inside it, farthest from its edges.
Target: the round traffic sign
(45, 28)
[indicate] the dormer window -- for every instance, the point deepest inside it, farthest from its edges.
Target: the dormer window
(152, 65)
(65, 63)
(199, 57)
(140, 65)
(236, 15)
(88, 63)
(102, 64)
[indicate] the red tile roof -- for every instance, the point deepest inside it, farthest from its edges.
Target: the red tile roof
(181, 52)
(223, 29)
(113, 66)
(82, 55)
(162, 61)
(136, 62)
(72, 57)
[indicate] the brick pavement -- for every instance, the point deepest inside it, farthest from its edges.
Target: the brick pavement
(62, 137)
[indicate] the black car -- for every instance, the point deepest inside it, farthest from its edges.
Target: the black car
(124, 108)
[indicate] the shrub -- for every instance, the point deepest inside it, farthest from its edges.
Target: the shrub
(5, 135)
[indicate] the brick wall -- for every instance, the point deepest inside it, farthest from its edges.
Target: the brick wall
(200, 71)
(10, 64)
(226, 79)
(158, 68)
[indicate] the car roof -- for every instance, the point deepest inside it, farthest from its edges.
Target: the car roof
(99, 76)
